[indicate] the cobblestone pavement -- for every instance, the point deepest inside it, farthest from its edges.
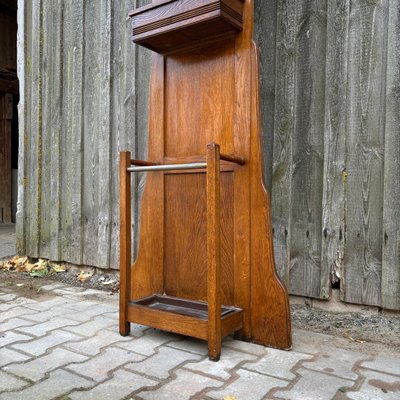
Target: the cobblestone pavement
(64, 344)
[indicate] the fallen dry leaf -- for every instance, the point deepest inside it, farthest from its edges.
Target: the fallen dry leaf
(9, 266)
(28, 267)
(40, 265)
(229, 398)
(348, 336)
(58, 268)
(84, 275)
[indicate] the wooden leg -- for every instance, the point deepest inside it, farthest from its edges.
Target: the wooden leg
(125, 242)
(213, 252)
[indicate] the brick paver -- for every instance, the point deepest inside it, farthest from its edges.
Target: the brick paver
(10, 337)
(66, 346)
(277, 364)
(248, 385)
(44, 328)
(38, 347)
(120, 385)
(99, 367)
(230, 359)
(9, 382)
(160, 364)
(59, 383)
(37, 368)
(376, 386)
(314, 385)
(8, 356)
(93, 345)
(148, 343)
(389, 365)
(337, 362)
(183, 387)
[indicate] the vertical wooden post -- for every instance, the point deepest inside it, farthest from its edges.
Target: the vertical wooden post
(125, 241)
(213, 252)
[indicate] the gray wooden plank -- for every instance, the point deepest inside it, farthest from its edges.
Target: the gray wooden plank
(365, 148)
(76, 128)
(308, 149)
(104, 142)
(22, 51)
(65, 138)
(391, 204)
(120, 40)
(333, 205)
(46, 129)
(56, 129)
(34, 133)
(71, 140)
(92, 106)
(283, 125)
(265, 37)
(129, 107)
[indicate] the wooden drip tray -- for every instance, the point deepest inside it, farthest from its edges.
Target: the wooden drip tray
(186, 317)
(181, 306)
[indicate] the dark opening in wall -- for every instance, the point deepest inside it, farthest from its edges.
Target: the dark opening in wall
(336, 285)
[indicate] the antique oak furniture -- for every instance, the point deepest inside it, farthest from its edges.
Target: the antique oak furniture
(205, 266)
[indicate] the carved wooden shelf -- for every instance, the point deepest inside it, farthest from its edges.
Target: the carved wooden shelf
(167, 26)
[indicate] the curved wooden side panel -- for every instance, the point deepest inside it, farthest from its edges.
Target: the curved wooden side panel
(270, 311)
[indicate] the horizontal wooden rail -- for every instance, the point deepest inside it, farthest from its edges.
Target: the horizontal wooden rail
(233, 159)
(143, 163)
(148, 166)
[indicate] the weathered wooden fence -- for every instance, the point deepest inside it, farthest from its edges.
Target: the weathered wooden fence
(331, 101)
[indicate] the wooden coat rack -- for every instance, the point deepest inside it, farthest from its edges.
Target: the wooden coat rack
(205, 266)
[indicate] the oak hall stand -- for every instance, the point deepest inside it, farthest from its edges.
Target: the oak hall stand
(205, 266)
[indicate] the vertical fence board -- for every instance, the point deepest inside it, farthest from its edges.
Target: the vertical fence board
(391, 205)
(307, 149)
(283, 125)
(365, 141)
(75, 123)
(120, 40)
(92, 117)
(46, 100)
(265, 37)
(34, 132)
(55, 118)
(104, 143)
(130, 99)
(72, 133)
(22, 54)
(334, 144)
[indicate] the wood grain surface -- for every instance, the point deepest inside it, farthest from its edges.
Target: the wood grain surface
(203, 96)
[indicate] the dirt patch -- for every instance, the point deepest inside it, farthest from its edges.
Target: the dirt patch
(24, 285)
(357, 327)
